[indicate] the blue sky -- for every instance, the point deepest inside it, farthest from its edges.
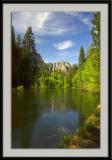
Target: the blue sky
(58, 35)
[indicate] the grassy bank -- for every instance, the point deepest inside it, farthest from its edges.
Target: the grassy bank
(86, 137)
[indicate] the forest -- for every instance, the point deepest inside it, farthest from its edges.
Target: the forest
(30, 71)
(55, 102)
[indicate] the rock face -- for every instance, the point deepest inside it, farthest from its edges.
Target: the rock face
(62, 66)
(59, 66)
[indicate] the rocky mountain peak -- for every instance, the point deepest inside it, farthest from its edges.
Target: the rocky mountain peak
(62, 66)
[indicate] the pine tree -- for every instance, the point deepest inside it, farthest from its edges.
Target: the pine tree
(15, 60)
(29, 41)
(19, 41)
(95, 31)
(13, 38)
(30, 58)
(81, 56)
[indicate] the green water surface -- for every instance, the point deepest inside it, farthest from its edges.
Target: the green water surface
(40, 117)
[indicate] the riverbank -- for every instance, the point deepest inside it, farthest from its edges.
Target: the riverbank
(86, 137)
(21, 87)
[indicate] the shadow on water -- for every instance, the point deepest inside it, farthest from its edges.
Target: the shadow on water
(40, 117)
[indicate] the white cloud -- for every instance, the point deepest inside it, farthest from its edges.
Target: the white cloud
(52, 31)
(41, 18)
(44, 23)
(86, 20)
(80, 16)
(21, 20)
(75, 14)
(64, 45)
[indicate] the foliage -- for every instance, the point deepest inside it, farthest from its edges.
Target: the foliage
(87, 76)
(96, 30)
(53, 80)
(24, 59)
(86, 136)
(64, 142)
(29, 70)
(16, 61)
(81, 56)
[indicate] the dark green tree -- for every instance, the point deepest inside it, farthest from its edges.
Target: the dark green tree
(29, 67)
(16, 62)
(13, 37)
(13, 57)
(95, 31)
(29, 42)
(19, 41)
(81, 56)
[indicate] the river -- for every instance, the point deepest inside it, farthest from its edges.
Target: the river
(40, 117)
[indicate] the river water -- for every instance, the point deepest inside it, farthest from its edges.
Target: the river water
(40, 117)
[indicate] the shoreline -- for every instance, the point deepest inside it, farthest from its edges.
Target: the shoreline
(87, 136)
(73, 88)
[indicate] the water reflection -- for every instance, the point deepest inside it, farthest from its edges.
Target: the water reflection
(51, 125)
(41, 117)
(52, 106)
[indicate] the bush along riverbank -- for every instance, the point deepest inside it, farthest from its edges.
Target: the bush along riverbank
(87, 136)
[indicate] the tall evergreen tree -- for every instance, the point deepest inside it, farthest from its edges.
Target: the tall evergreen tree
(13, 37)
(81, 56)
(29, 41)
(15, 60)
(29, 58)
(13, 56)
(19, 41)
(95, 31)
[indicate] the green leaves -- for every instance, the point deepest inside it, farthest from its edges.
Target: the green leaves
(95, 31)
(28, 68)
(81, 56)
(24, 59)
(54, 80)
(88, 75)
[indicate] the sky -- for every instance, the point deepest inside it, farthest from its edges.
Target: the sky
(58, 35)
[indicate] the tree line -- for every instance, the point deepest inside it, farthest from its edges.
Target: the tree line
(24, 59)
(87, 76)
(26, 70)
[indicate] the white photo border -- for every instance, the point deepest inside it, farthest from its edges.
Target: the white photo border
(11, 152)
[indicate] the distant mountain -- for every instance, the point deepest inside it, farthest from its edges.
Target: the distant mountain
(39, 58)
(43, 67)
(62, 66)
